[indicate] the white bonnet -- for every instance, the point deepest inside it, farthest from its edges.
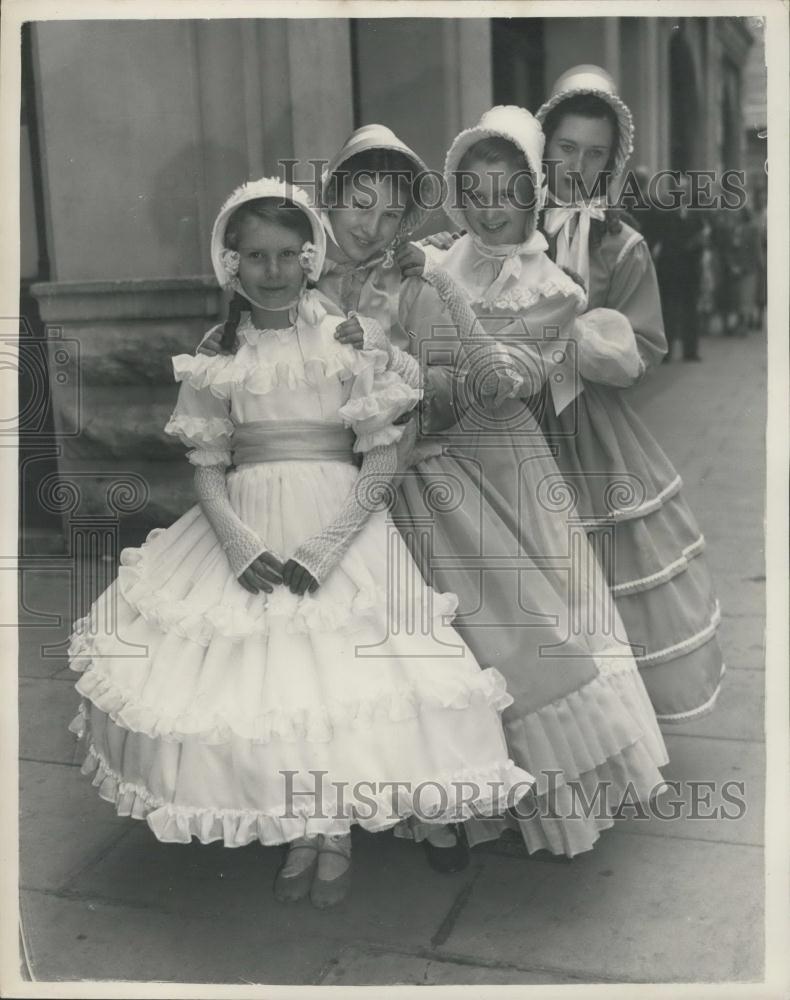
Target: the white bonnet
(505, 121)
(589, 79)
(266, 187)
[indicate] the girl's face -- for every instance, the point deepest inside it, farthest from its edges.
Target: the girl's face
(580, 145)
(495, 210)
(269, 268)
(372, 218)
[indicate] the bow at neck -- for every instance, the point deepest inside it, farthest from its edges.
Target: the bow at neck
(497, 264)
(573, 244)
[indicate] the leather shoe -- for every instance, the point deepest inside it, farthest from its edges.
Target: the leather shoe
(448, 859)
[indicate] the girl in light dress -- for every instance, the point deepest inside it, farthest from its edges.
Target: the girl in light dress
(254, 673)
(628, 491)
(469, 508)
(528, 312)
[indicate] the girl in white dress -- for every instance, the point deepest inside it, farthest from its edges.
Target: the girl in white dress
(272, 667)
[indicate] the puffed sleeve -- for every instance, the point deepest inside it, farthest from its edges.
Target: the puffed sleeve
(607, 349)
(377, 398)
(633, 291)
(201, 420)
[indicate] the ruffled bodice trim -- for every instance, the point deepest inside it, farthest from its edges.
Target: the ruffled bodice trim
(256, 367)
(514, 281)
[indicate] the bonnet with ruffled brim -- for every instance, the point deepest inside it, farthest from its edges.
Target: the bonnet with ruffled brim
(370, 137)
(505, 121)
(589, 79)
(267, 187)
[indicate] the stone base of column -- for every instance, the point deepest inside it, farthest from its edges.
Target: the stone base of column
(111, 388)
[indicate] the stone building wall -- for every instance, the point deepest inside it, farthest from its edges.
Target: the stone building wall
(145, 126)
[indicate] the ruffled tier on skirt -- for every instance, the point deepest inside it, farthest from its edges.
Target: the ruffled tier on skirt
(198, 694)
(629, 497)
(581, 715)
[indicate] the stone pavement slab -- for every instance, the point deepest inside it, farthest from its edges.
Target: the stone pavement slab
(64, 825)
(641, 909)
(395, 899)
(71, 939)
(44, 620)
(48, 706)
(739, 710)
(360, 965)
(735, 768)
(743, 640)
(654, 900)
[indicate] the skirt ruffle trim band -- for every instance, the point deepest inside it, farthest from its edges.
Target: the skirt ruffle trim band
(578, 747)
(178, 824)
(237, 621)
(313, 725)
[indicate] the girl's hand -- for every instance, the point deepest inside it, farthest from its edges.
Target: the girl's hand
(411, 260)
(298, 579)
(442, 241)
(264, 573)
(351, 332)
(211, 345)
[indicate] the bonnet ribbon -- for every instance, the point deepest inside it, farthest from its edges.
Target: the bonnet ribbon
(573, 247)
(497, 265)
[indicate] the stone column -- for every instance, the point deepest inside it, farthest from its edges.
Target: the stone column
(146, 126)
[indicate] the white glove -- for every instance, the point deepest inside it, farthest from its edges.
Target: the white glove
(321, 553)
(400, 361)
(240, 543)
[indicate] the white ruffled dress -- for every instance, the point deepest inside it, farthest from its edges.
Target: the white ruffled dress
(222, 715)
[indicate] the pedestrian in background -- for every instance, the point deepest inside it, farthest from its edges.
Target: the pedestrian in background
(741, 250)
(707, 307)
(679, 233)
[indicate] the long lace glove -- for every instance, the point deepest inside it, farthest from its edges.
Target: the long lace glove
(240, 543)
(399, 361)
(321, 553)
(493, 364)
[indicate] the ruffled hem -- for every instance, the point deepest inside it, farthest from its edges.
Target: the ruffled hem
(310, 724)
(238, 827)
(575, 747)
(555, 824)
(556, 821)
(582, 731)
(222, 373)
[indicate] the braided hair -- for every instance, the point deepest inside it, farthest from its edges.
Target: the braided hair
(230, 326)
(287, 215)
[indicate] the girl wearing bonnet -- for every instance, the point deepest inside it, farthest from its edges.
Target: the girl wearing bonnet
(629, 493)
(279, 692)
